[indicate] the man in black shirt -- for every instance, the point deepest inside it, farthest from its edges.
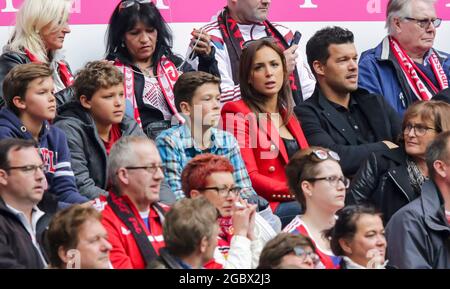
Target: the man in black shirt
(340, 116)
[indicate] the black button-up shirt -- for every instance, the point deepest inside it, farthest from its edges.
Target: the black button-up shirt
(357, 120)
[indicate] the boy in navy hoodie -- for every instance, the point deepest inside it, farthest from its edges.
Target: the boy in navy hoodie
(30, 105)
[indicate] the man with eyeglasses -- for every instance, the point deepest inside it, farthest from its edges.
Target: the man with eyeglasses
(132, 215)
(22, 186)
(405, 67)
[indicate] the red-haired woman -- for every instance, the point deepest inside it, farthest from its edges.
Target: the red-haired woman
(243, 232)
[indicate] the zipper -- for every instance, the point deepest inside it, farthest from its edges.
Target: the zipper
(403, 191)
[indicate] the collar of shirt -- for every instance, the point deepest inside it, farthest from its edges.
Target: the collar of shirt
(36, 214)
(426, 58)
(339, 107)
(217, 140)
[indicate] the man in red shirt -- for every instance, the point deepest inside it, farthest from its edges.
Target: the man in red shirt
(132, 215)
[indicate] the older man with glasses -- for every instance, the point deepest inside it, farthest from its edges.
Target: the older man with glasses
(132, 214)
(22, 187)
(405, 67)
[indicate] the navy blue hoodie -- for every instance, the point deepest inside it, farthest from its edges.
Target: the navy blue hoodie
(55, 153)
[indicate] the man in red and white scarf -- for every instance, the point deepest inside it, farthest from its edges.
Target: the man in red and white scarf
(405, 67)
(244, 20)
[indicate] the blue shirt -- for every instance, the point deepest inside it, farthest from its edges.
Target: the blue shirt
(177, 148)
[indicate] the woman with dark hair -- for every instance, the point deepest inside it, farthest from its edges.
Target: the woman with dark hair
(139, 42)
(267, 131)
(358, 236)
(391, 179)
(316, 178)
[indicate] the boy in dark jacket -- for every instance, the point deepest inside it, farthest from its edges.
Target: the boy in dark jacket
(93, 122)
(30, 105)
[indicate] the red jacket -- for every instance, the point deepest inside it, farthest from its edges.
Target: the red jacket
(125, 252)
(262, 149)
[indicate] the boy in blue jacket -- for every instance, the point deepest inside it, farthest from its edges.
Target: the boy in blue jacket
(30, 105)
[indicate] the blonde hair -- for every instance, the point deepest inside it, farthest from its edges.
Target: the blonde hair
(32, 17)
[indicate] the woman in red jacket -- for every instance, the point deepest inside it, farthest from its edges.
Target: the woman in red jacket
(267, 131)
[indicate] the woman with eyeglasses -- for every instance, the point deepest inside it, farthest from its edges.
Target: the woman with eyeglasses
(263, 122)
(38, 37)
(139, 42)
(391, 179)
(316, 178)
(358, 236)
(243, 232)
(288, 251)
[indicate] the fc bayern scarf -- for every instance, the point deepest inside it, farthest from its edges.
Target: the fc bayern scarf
(415, 75)
(63, 70)
(126, 215)
(167, 74)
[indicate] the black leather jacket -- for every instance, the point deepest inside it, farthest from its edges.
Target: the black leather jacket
(383, 181)
(9, 60)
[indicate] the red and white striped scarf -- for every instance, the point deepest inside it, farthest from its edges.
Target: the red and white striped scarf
(412, 72)
(63, 70)
(167, 74)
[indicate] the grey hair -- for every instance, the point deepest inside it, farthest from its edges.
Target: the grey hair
(123, 154)
(437, 150)
(400, 8)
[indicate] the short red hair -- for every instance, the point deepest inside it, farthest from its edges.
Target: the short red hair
(199, 168)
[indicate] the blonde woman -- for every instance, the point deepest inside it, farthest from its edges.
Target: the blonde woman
(41, 27)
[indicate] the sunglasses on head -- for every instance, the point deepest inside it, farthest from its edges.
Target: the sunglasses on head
(131, 3)
(323, 155)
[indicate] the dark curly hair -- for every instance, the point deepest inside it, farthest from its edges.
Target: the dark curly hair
(94, 76)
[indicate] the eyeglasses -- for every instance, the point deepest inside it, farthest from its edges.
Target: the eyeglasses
(419, 129)
(131, 3)
(302, 253)
(224, 192)
(323, 155)
(425, 23)
(333, 180)
(247, 43)
(150, 169)
(28, 168)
